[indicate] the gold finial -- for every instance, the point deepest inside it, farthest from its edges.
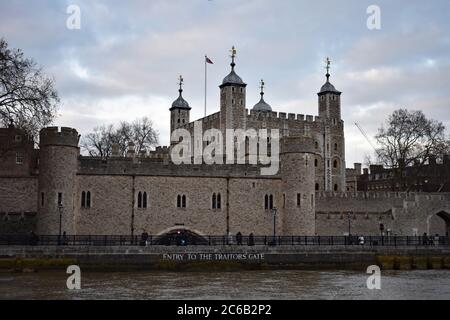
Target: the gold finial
(328, 63)
(233, 52)
(233, 55)
(180, 82)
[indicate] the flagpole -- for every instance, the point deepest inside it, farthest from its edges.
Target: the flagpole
(205, 83)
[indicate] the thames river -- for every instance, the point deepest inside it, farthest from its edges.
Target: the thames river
(432, 284)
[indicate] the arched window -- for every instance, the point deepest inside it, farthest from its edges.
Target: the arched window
(178, 201)
(335, 147)
(219, 204)
(183, 201)
(144, 200)
(266, 202)
(299, 200)
(335, 164)
(214, 201)
(88, 199)
(316, 162)
(335, 187)
(317, 187)
(271, 202)
(316, 145)
(140, 200)
(83, 199)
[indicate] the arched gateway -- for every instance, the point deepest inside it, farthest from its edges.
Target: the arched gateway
(439, 223)
(180, 235)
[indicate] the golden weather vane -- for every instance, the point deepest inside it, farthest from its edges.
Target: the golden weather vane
(262, 85)
(180, 81)
(328, 63)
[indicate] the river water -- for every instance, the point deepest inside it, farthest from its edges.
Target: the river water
(431, 284)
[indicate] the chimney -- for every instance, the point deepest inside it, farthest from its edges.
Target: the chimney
(366, 171)
(447, 159)
(130, 151)
(115, 150)
(357, 167)
(432, 160)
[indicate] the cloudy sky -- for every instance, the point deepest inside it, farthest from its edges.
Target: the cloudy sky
(124, 61)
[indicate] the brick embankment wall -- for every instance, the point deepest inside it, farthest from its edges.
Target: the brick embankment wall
(221, 258)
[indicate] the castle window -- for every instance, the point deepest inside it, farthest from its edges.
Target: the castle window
(178, 120)
(178, 201)
(19, 158)
(253, 185)
(59, 199)
(183, 201)
(312, 200)
(316, 144)
(335, 147)
(284, 200)
(144, 200)
(88, 199)
(335, 187)
(299, 200)
(242, 90)
(232, 89)
(240, 102)
(214, 199)
(335, 164)
(268, 202)
(42, 199)
(218, 205)
(140, 200)
(232, 100)
(317, 187)
(316, 162)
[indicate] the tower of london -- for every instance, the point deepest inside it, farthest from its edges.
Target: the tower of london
(129, 195)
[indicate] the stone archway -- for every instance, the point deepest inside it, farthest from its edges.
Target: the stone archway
(439, 223)
(180, 235)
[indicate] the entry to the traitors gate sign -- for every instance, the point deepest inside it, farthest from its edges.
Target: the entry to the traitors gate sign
(213, 257)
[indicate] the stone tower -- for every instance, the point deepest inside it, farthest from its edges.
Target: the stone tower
(58, 164)
(232, 100)
(330, 144)
(297, 186)
(180, 110)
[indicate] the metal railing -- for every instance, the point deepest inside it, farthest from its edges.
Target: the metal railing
(138, 240)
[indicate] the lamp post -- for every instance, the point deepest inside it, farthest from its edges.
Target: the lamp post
(274, 212)
(349, 225)
(60, 210)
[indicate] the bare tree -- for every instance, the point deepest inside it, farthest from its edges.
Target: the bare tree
(99, 143)
(27, 97)
(410, 139)
(140, 132)
(143, 136)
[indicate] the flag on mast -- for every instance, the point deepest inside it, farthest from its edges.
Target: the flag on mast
(208, 60)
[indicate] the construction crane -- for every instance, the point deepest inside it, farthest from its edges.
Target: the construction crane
(367, 138)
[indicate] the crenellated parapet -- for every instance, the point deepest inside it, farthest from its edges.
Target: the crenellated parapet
(55, 136)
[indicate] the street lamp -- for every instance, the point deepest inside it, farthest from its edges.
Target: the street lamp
(274, 212)
(60, 210)
(349, 225)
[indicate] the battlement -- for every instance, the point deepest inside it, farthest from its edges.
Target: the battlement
(283, 116)
(407, 196)
(59, 136)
